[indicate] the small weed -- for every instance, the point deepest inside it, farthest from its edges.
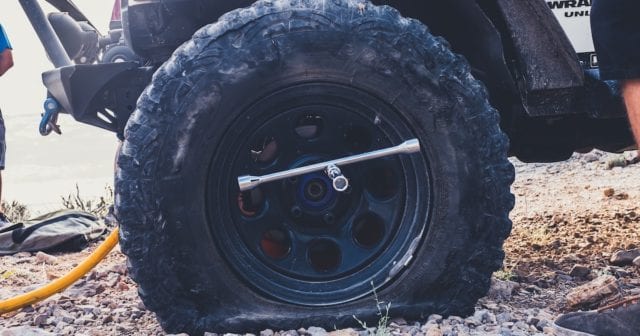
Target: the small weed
(507, 272)
(98, 207)
(383, 323)
(15, 211)
(6, 274)
(503, 274)
(541, 236)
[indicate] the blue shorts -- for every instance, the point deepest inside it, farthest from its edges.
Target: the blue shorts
(616, 35)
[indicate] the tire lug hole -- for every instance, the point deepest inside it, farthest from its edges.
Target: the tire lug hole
(251, 203)
(381, 180)
(265, 151)
(357, 138)
(324, 255)
(309, 126)
(368, 230)
(275, 243)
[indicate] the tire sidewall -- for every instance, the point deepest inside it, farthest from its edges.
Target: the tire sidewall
(202, 138)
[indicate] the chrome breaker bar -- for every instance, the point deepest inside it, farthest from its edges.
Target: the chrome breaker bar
(248, 182)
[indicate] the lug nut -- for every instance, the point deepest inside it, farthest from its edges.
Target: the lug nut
(328, 218)
(296, 211)
(340, 183)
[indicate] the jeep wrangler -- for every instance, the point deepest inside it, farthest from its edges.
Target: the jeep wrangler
(294, 162)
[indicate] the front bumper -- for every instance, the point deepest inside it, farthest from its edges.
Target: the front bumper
(101, 95)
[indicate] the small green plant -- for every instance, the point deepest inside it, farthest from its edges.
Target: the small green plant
(541, 236)
(507, 272)
(504, 274)
(383, 323)
(98, 207)
(15, 211)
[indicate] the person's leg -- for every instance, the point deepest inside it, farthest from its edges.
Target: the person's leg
(631, 94)
(3, 219)
(1, 205)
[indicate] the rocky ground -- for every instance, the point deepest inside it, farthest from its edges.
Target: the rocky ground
(570, 223)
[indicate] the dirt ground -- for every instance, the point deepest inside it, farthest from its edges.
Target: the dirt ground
(569, 219)
(574, 213)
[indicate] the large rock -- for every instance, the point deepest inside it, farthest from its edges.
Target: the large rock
(432, 330)
(591, 293)
(267, 332)
(42, 257)
(502, 290)
(24, 331)
(624, 258)
(344, 332)
(316, 331)
(580, 271)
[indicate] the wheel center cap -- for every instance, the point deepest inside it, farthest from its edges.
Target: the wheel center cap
(315, 191)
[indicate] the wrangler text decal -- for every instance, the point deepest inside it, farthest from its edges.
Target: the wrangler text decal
(582, 7)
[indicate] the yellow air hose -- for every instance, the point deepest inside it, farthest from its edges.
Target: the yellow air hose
(60, 284)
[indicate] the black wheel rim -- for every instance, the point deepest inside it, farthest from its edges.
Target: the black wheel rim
(298, 240)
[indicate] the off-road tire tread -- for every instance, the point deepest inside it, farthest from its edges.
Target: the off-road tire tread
(151, 252)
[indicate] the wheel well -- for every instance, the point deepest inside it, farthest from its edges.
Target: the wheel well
(480, 30)
(478, 40)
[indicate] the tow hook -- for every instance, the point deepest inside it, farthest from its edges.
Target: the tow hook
(49, 121)
(331, 168)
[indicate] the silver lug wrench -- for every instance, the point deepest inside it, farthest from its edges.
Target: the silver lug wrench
(248, 182)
